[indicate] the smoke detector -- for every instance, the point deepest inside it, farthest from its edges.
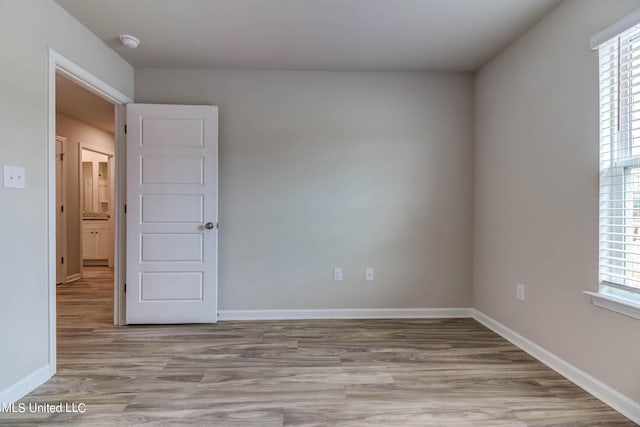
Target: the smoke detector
(129, 41)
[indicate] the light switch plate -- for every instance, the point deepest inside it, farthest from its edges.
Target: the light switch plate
(13, 176)
(337, 274)
(369, 274)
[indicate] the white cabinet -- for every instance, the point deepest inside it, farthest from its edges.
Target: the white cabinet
(97, 245)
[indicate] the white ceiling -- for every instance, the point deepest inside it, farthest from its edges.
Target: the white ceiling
(438, 35)
(77, 102)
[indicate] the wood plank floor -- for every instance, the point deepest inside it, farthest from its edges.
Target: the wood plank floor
(450, 372)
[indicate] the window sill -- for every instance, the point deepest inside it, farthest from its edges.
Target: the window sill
(615, 303)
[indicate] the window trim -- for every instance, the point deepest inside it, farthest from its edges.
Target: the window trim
(616, 28)
(614, 302)
(612, 296)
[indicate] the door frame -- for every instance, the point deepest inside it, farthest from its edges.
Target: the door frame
(58, 64)
(62, 236)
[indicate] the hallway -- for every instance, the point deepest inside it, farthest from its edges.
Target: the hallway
(87, 302)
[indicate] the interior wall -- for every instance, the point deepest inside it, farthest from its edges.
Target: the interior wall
(536, 194)
(78, 132)
(24, 306)
(337, 169)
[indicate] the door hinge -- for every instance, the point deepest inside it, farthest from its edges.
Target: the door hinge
(125, 208)
(61, 260)
(217, 225)
(125, 288)
(125, 128)
(61, 156)
(62, 208)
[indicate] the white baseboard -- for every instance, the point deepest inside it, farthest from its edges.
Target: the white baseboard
(73, 277)
(606, 394)
(621, 403)
(355, 313)
(25, 385)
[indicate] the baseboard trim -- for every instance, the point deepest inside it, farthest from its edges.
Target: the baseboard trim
(618, 401)
(355, 313)
(25, 385)
(590, 384)
(73, 277)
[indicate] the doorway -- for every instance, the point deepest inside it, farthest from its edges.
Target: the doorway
(61, 67)
(85, 221)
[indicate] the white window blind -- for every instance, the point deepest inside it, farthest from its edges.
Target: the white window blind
(620, 162)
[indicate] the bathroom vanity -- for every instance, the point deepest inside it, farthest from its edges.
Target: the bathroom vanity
(97, 230)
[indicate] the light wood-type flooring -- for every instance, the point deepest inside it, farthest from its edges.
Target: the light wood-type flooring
(445, 372)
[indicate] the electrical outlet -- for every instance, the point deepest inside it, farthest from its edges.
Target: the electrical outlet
(337, 274)
(520, 291)
(13, 177)
(368, 273)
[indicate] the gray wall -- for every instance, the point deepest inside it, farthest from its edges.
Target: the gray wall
(349, 169)
(27, 28)
(536, 194)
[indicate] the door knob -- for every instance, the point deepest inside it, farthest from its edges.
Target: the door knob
(208, 225)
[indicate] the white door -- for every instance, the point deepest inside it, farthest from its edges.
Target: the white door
(172, 211)
(60, 214)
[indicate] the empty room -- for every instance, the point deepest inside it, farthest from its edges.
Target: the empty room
(320, 212)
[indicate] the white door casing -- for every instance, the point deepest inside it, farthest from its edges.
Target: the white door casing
(172, 213)
(61, 223)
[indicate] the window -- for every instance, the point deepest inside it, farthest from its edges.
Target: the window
(619, 265)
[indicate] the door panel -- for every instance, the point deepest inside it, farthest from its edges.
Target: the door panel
(172, 208)
(162, 287)
(172, 192)
(172, 170)
(172, 247)
(178, 132)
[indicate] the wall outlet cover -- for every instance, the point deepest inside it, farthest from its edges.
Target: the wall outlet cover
(337, 274)
(520, 291)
